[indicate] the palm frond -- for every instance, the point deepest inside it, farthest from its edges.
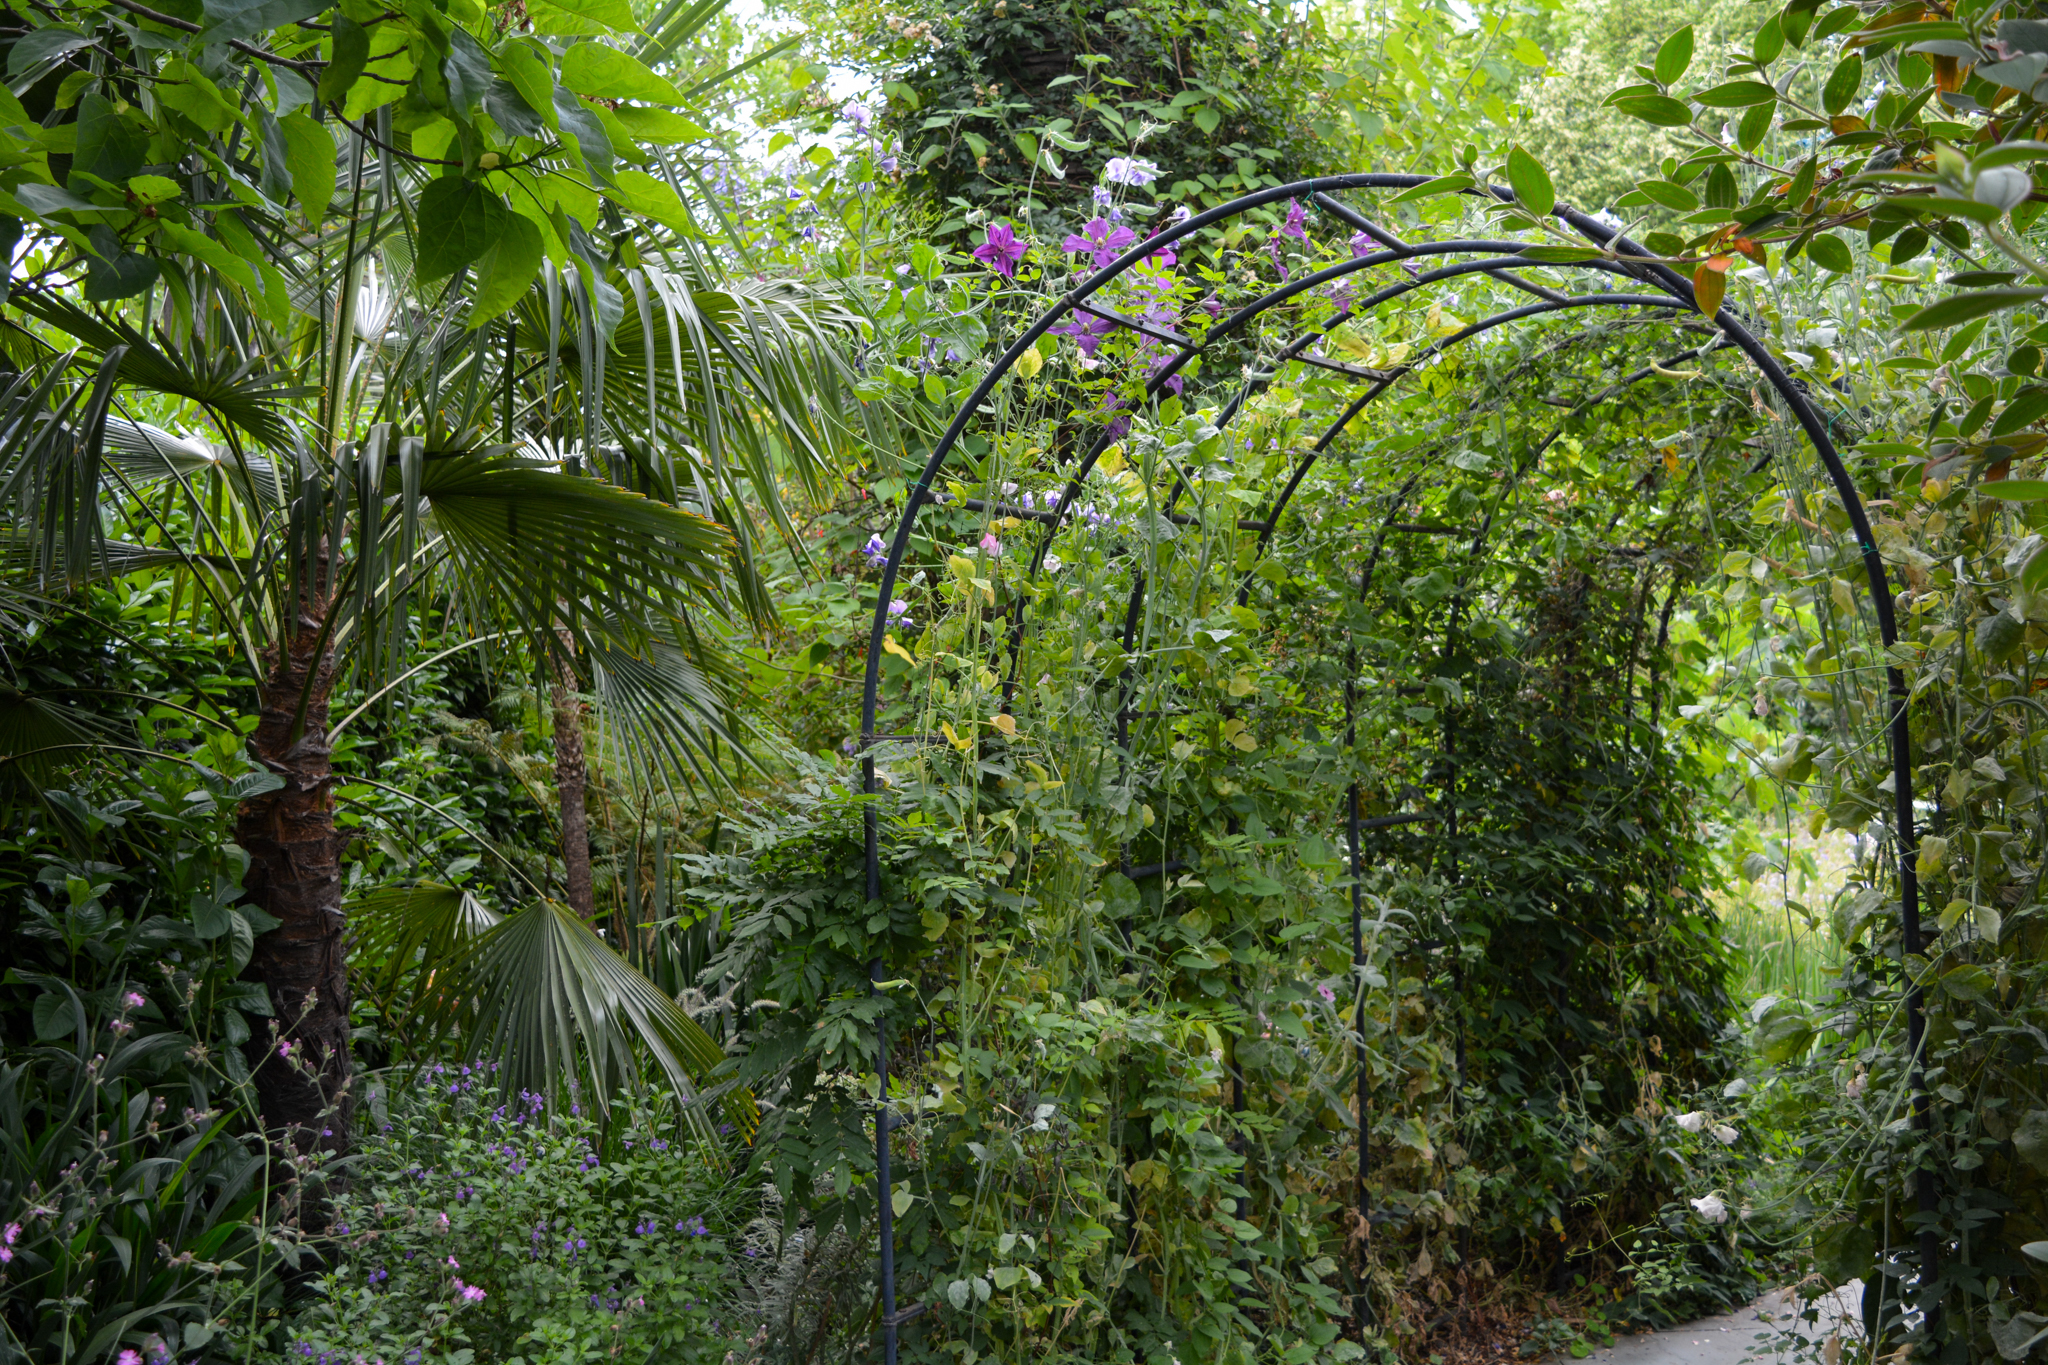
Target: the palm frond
(538, 993)
(666, 707)
(235, 390)
(554, 552)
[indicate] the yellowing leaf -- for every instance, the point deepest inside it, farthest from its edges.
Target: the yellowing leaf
(889, 646)
(1006, 723)
(963, 745)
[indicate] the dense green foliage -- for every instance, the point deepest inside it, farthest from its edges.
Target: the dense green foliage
(448, 470)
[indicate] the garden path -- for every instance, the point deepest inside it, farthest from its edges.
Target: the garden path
(1734, 1337)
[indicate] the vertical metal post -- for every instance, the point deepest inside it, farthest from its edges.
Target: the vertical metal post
(884, 1120)
(1361, 1301)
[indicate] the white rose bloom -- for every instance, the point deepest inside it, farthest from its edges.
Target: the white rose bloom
(1726, 1135)
(1693, 1122)
(1711, 1208)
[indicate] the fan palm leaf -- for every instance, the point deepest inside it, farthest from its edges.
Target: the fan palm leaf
(539, 993)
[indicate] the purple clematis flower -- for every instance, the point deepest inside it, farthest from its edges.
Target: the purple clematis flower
(1296, 217)
(1099, 240)
(1087, 330)
(1361, 245)
(1001, 250)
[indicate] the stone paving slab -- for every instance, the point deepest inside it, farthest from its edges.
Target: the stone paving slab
(1733, 1337)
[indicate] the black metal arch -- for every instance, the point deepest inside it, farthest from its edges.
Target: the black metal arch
(1620, 257)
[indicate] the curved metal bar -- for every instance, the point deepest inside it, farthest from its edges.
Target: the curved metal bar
(1645, 268)
(1429, 353)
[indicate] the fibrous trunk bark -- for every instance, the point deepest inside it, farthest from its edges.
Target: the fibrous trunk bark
(572, 776)
(301, 1066)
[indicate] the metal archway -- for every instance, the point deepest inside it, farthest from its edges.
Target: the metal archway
(1498, 257)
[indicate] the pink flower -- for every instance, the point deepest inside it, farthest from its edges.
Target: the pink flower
(6, 1255)
(13, 1231)
(1001, 251)
(451, 1260)
(128, 1356)
(134, 1000)
(992, 547)
(284, 1049)
(1099, 241)
(469, 1293)
(1329, 996)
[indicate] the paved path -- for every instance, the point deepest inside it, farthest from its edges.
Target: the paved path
(1731, 1339)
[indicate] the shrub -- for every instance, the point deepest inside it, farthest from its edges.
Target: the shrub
(478, 1230)
(137, 1208)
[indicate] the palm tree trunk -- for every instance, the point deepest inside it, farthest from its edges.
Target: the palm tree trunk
(572, 776)
(301, 1066)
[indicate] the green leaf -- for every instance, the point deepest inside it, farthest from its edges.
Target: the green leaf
(112, 270)
(1802, 183)
(240, 20)
(2010, 154)
(1737, 95)
(1844, 1252)
(154, 189)
(40, 45)
(507, 270)
(2023, 411)
(1843, 83)
(1531, 183)
(1429, 189)
(652, 198)
(659, 126)
(1770, 41)
(55, 1015)
(459, 220)
(1830, 252)
(351, 52)
(1674, 56)
(607, 73)
(1670, 194)
(1962, 307)
(528, 72)
(1661, 111)
(309, 155)
(2015, 490)
(1755, 124)
(568, 17)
